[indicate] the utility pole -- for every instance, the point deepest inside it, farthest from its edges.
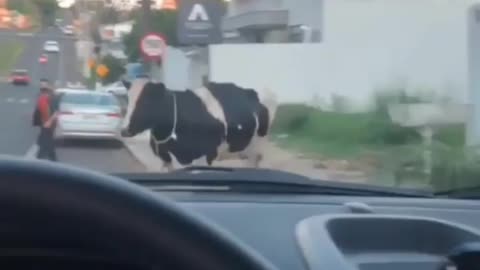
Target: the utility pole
(145, 22)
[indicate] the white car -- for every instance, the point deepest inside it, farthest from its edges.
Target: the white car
(51, 46)
(88, 114)
(116, 88)
(68, 30)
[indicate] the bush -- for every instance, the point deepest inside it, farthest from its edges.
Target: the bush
(291, 118)
(455, 168)
(116, 69)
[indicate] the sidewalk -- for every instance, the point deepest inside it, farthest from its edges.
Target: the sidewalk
(275, 158)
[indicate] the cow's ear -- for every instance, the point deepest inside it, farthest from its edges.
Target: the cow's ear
(127, 84)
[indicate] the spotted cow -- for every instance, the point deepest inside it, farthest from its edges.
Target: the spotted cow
(219, 121)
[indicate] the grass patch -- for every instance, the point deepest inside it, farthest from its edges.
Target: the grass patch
(9, 52)
(369, 141)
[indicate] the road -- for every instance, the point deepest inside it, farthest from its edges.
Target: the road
(17, 136)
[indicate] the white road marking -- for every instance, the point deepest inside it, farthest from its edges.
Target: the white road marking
(10, 100)
(24, 100)
(32, 151)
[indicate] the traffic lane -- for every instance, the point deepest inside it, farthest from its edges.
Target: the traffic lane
(16, 108)
(98, 155)
(51, 69)
(17, 102)
(70, 63)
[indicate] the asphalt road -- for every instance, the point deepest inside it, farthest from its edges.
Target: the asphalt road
(17, 136)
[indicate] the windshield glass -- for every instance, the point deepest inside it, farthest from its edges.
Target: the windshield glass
(88, 99)
(373, 92)
(19, 73)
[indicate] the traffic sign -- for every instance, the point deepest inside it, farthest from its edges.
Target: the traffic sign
(102, 71)
(153, 46)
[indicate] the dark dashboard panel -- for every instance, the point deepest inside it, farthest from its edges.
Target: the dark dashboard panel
(268, 222)
(62, 263)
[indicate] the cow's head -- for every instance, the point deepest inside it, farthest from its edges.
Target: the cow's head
(144, 103)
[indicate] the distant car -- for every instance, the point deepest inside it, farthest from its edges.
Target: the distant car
(88, 114)
(116, 88)
(68, 30)
(51, 46)
(43, 59)
(20, 76)
(77, 85)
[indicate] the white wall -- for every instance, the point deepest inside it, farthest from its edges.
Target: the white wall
(366, 45)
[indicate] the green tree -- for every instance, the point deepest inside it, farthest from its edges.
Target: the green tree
(162, 21)
(116, 69)
(47, 10)
(108, 16)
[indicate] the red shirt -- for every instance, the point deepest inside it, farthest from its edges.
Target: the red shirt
(43, 104)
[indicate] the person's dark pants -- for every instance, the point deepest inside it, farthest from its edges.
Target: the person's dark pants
(46, 144)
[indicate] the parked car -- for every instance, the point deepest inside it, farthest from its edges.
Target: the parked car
(88, 114)
(51, 46)
(19, 76)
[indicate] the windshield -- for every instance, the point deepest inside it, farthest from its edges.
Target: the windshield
(19, 73)
(368, 92)
(88, 99)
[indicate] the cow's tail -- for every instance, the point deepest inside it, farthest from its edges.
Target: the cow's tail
(266, 112)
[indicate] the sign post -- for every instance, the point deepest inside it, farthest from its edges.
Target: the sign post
(153, 46)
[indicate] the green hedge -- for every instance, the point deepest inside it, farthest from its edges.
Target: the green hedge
(398, 149)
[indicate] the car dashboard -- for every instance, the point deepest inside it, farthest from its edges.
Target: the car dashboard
(342, 232)
(291, 229)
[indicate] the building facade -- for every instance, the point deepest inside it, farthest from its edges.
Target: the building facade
(273, 21)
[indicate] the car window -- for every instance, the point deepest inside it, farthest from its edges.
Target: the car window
(19, 73)
(89, 99)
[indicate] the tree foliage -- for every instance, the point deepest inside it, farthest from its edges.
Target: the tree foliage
(162, 21)
(116, 69)
(47, 10)
(108, 15)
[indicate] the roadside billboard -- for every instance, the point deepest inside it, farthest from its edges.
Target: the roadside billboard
(199, 21)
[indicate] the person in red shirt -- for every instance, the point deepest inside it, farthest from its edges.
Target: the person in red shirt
(45, 140)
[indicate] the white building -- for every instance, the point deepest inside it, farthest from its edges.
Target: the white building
(269, 21)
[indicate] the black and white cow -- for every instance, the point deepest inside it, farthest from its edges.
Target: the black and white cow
(218, 122)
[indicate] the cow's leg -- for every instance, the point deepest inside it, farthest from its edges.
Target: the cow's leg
(211, 157)
(167, 160)
(200, 161)
(255, 152)
(253, 160)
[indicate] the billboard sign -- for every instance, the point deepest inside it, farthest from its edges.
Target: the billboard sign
(199, 22)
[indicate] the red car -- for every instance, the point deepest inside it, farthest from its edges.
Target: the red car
(20, 76)
(43, 59)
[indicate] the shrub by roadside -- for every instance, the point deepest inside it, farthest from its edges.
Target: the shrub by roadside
(10, 50)
(370, 141)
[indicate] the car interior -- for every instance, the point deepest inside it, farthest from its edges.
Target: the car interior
(62, 217)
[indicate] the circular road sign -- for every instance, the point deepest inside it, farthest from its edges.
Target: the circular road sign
(153, 46)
